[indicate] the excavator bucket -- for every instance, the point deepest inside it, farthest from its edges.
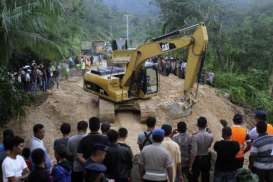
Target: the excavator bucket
(106, 111)
(177, 109)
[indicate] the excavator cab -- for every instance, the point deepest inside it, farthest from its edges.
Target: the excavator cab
(148, 80)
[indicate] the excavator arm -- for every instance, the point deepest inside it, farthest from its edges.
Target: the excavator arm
(195, 43)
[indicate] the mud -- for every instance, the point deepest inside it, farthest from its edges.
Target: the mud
(71, 104)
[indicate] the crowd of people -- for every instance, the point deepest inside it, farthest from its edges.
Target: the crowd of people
(36, 77)
(166, 154)
(172, 65)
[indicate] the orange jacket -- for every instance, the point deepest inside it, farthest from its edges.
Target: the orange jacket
(239, 134)
(269, 129)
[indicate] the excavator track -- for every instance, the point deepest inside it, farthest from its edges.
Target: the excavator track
(108, 110)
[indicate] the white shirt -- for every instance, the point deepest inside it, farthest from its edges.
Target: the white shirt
(13, 167)
(253, 134)
(36, 143)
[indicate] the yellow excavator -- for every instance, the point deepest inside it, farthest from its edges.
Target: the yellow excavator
(124, 88)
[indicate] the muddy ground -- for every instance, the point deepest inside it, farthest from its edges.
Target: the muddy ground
(71, 104)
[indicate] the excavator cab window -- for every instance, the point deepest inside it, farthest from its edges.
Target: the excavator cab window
(149, 80)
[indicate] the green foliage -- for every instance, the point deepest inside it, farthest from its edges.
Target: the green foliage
(245, 89)
(12, 99)
(50, 30)
(240, 44)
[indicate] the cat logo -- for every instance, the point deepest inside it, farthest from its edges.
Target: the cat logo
(166, 46)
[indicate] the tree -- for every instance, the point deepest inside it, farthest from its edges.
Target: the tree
(25, 23)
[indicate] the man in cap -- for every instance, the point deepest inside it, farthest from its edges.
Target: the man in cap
(260, 116)
(155, 162)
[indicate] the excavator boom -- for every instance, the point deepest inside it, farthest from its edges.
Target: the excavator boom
(196, 45)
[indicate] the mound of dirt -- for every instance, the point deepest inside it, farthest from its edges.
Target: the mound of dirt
(71, 104)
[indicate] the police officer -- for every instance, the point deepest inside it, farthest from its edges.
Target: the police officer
(200, 156)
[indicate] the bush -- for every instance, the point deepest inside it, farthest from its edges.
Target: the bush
(12, 99)
(246, 89)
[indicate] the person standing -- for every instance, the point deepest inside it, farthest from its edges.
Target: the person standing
(261, 154)
(105, 127)
(83, 65)
(155, 163)
(95, 173)
(260, 116)
(26, 153)
(145, 138)
(7, 140)
(183, 139)
(200, 155)
(14, 167)
(94, 169)
(65, 130)
(7, 133)
(37, 142)
(226, 163)
(61, 172)
(118, 160)
(39, 173)
(240, 135)
(123, 134)
(44, 78)
(56, 74)
(173, 148)
(86, 144)
(72, 146)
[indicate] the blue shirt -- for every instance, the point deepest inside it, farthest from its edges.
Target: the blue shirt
(2, 148)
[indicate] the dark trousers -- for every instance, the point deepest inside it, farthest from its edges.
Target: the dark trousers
(186, 173)
(264, 175)
(240, 163)
(201, 165)
(153, 181)
(122, 180)
(77, 176)
(228, 176)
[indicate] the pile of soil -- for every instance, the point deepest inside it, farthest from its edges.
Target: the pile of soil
(70, 103)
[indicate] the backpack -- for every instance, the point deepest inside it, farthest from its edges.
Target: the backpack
(147, 138)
